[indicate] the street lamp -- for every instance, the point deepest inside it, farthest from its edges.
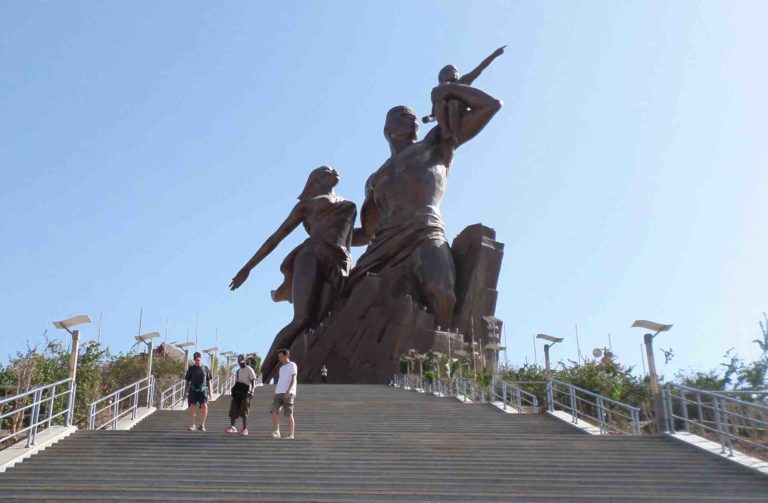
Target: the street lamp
(66, 325)
(658, 407)
(228, 355)
(147, 339)
(552, 341)
(211, 352)
(185, 347)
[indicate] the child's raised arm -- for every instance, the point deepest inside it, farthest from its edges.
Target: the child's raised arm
(470, 77)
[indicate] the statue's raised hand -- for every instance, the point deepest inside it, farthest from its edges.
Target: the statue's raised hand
(239, 278)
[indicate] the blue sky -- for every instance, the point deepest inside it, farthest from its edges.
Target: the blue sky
(147, 149)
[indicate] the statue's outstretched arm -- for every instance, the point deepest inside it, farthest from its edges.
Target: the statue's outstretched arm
(294, 219)
(482, 108)
(470, 77)
(369, 221)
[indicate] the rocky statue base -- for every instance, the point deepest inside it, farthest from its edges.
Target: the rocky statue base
(367, 334)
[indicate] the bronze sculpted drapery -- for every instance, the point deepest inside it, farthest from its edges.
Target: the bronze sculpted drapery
(315, 271)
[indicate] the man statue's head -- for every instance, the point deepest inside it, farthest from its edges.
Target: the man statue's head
(401, 124)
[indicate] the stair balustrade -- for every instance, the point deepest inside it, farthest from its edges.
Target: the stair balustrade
(172, 396)
(716, 414)
(40, 407)
(513, 396)
(610, 416)
(120, 404)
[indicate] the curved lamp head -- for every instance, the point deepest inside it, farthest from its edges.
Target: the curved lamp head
(146, 337)
(72, 322)
(182, 345)
(651, 325)
(545, 337)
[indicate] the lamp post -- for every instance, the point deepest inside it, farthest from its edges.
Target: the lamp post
(228, 355)
(658, 407)
(147, 339)
(211, 352)
(66, 325)
(185, 347)
(552, 341)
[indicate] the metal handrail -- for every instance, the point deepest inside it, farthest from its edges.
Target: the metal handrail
(730, 419)
(43, 404)
(580, 401)
(115, 403)
(176, 394)
(511, 395)
(464, 388)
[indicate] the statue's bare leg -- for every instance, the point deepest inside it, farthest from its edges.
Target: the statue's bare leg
(435, 273)
(306, 290)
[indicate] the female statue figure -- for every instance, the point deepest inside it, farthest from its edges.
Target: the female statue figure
(315, 271)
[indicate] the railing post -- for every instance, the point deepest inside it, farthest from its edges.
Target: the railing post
(504, 395)
(716, 406)
(91, 418)
(115, 410)
(135, 406)
(519, 399)
(600, 414)
(669, 413)
(51, 403)
(35, 416)
(636, 422)
(726, 424)
(574, 413)
(701, 409)
(684, 406)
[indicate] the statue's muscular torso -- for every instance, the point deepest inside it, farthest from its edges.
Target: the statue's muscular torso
(410, 184)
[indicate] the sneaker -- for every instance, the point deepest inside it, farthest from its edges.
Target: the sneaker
(244, 432)
(192, 428)
(276, 434)
(289, 437)
(201, 427)
(231, 429)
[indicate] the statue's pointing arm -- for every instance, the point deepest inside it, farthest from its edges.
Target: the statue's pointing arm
(294, 219)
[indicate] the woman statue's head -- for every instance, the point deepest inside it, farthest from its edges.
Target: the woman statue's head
(321, 181)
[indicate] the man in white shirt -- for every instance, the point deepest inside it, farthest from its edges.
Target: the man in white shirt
(285, 392)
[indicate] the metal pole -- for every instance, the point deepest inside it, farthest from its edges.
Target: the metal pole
(73, 374)
(546, 360)
(658, 406)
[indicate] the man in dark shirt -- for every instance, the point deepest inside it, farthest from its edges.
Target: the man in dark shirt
(198, 391)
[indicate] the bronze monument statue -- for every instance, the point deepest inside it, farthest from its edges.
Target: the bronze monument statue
(315, 271)
(409, 291)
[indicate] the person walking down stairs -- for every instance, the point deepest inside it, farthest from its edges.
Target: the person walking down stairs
(198, 390)
(241, 392)
(285, 392)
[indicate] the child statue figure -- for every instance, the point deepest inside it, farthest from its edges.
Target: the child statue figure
(448, 112)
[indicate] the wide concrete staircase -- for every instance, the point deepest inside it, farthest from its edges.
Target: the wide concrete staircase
(374, 443)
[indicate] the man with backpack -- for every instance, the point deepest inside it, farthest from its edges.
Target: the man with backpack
(198, 390)
(241, 392)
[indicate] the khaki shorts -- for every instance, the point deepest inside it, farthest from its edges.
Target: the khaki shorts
(279, 401)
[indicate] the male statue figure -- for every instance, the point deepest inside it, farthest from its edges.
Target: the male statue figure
(400, 217)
